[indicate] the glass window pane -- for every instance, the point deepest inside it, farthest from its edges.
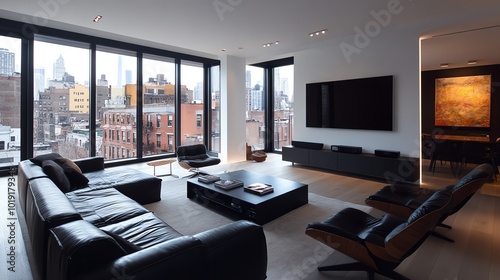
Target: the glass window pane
(116, 103)
(10, 101)
(159, 105)
(283, 109)
(215, 108)
(255, 107)
(61, 99)
(192, 103)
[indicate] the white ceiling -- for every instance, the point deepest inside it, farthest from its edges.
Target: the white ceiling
(204, 27)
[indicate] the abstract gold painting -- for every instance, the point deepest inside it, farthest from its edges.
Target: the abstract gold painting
(463, 101)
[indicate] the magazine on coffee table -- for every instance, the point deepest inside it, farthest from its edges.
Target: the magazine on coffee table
(228, 184)
(207, 179)
(259, 188)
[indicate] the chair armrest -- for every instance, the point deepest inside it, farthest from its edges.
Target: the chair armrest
(235, 251)
(90, 164)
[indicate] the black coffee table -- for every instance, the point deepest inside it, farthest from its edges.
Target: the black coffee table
(287, 196)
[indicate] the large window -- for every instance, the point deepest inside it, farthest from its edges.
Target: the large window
(80, 95)
(255, 107)
(10, 101)
(269, 104)
(158, 102)
(215, 108)
(116, 102)
(192, 100)
(283, 106)
(61, 97)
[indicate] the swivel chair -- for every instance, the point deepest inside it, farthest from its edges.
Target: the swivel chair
(378, 245)
(192, 157)
(401, 201)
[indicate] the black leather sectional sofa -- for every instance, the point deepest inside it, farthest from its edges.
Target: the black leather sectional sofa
(100, 230)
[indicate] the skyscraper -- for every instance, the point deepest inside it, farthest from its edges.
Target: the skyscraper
(7, 64)
(59, 69)
(119, 82)
(39, 81)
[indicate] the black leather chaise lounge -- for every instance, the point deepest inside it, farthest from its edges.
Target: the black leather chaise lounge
(378, 245)
(403, 200)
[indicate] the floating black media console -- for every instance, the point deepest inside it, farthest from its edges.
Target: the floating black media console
(389, 167)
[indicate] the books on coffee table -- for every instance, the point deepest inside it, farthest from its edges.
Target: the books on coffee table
(228, 184)
(259, 188)
(207, 179)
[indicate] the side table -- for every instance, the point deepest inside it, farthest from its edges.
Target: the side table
(160, 162)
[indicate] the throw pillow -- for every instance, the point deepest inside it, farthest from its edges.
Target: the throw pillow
(38, 160)
(76, 178)
(70, 162)
(56, 174)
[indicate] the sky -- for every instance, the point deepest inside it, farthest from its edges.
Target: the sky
(76, 61)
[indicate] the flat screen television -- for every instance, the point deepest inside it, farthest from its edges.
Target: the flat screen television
(365, 103)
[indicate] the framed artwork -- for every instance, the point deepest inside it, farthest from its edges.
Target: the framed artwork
(463, 101)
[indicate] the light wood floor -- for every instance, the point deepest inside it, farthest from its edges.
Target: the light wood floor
(476, 228)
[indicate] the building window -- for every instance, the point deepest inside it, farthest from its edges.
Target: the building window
(170, 120)
(198, 118)
(158, 120)
(158, 140)
(149, 122)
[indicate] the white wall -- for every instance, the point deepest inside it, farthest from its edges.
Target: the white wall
(388, 53)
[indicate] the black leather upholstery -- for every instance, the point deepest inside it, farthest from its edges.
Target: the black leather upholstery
(234, 251)
(195, 156)
(379, 244)
(402, 200)
(103, 232)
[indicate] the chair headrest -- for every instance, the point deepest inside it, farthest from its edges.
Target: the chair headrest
(437, 201)
(190, 150)
(483, 171)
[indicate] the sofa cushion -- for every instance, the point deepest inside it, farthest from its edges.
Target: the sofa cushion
(126, 245)
(104, 206)
(141, 187)
(38, 160)
(56, 174)
(143, 231)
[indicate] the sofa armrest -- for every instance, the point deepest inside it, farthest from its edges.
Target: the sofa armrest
(46, 207)
(90, 164)
(77, 247)
(235, 251)
(179, 258)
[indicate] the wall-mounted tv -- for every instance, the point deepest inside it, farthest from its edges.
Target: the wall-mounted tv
(365, 103)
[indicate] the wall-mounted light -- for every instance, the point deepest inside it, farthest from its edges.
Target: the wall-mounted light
(317, 33)
(97, 18)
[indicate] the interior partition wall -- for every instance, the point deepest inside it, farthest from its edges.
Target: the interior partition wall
(81, 96)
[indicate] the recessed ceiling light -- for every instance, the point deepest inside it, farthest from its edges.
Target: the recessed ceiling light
(444, 65)
(472, 62)
(270, 44)
(223, 50)
(317, 33)
(97, 18)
